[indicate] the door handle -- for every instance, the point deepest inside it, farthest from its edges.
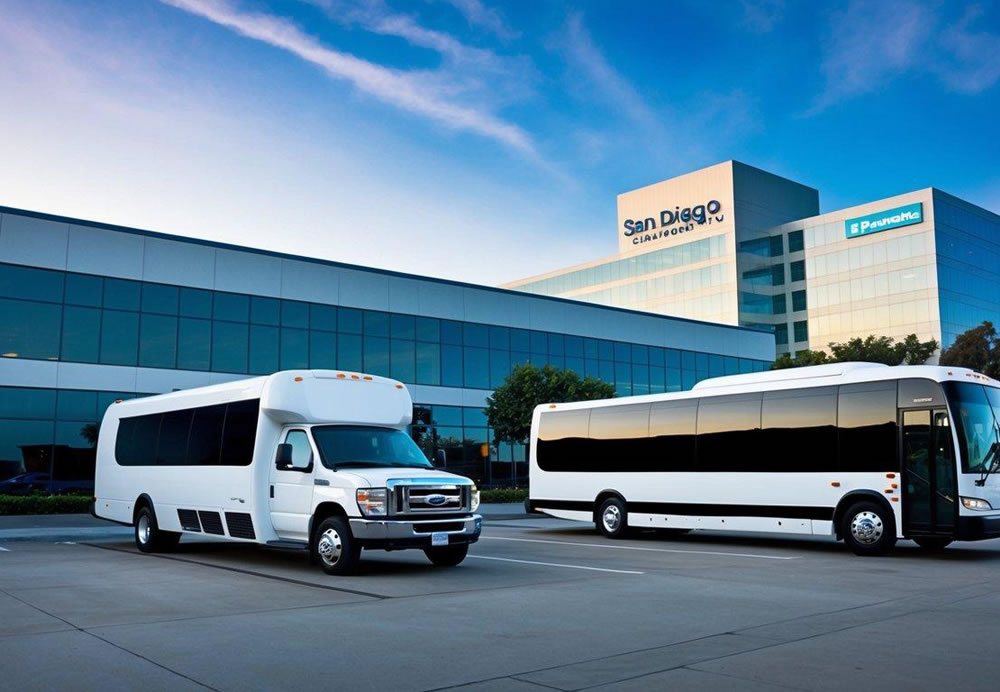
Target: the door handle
(272, 492)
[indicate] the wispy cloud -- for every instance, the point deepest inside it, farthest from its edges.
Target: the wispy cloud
(477, 14)
(406, 90)
(869, 44)
(761, 16)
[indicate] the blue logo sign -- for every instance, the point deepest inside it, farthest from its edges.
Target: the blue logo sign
(436, 499)
(682, 220)
(884, 220)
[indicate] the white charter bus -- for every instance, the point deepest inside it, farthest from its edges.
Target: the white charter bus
(315, 460)
(864, 452)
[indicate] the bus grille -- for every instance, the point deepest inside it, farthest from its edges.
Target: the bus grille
(211, 522)
(425, 499)
(189, 520)
(240, 525)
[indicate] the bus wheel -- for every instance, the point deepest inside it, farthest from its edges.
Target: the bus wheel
(869, 529)
(612, 520)
(334, 547)
(148, 537)
(447, 555)
(932, 544)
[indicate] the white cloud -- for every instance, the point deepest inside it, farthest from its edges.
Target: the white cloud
(477, 14)
(869, 44)
(408, 91)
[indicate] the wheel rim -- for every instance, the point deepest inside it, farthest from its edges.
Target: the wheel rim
(143, 529)
(867, 528)
(612, 518)
(330, 547)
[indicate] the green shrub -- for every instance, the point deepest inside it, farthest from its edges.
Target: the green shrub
(503, 495)
(44, 504)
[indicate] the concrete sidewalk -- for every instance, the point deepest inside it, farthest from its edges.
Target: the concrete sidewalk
(51, 528)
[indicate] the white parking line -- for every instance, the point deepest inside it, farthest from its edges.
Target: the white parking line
(554, 564)
(4, 550)
(650, 550)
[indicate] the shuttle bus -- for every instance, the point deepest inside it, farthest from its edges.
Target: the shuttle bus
(314, 460)
(864, 452)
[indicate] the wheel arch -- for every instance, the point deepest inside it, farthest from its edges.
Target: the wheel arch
(144, 500)
(324, 510)
(604, 495)
(859, 496)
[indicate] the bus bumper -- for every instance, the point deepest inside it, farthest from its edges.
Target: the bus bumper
(977, 528)
(397, 534)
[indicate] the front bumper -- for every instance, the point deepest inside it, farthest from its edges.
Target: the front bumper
(972, 528)
(392, 534)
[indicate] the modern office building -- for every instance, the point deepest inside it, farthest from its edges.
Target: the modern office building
(90, 313)
(737, 245)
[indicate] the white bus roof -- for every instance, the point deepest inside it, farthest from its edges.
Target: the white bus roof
(795, 378)
(295, 396)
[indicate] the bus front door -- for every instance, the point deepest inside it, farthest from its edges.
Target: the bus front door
(928, 473)
(292, 489)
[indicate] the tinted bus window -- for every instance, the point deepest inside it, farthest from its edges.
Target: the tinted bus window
(239, 433)
(799, 430)
(172, 447)
(672, 434)
(866, 416)
(205, 441)
(729, 432)
(563, 441)
(619, 439)
(136, 442)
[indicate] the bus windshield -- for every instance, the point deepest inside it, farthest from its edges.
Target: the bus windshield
(342, 446)
(976, 409)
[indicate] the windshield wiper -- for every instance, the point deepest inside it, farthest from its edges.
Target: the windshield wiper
(992, 458)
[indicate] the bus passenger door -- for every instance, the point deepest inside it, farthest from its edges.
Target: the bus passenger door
(928, 473)
(292, 489)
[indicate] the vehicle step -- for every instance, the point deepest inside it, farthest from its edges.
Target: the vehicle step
(288, 545)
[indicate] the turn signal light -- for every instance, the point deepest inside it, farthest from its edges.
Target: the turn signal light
(298, 379)
(890, 475)
(835, 484)
(888, 491)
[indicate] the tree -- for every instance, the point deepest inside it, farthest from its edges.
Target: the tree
(510, 407)
(806, 357)
(871, 349)
(977, 348)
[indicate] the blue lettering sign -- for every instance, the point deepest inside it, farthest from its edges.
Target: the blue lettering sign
(884, 220)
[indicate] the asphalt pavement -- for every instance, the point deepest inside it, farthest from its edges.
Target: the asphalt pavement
(539, 604)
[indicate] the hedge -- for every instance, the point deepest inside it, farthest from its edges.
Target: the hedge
(503, 495)
(44, 504)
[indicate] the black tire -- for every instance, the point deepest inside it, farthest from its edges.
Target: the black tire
(612, 518)
(447, 555)
(148, 536)
(932, 544)
(869, 528)
(334, 547)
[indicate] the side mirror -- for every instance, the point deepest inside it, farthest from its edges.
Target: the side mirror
(283, 457)
(440, 460)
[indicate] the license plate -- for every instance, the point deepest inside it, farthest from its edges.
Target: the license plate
(439, 538)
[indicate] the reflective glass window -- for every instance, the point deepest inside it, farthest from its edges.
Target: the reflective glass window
(451, 365)
(265, 311)
(476, 335)
(403, 327)
(500, 338)
(160, 299)
(428, 329)
(556, 345)
(82, 289)
(729, 432)
(263, 349)
(81, 334)
(476, 368)
(520, 340)
(349, 320)
(349, 352)
(798, 300)
(31, 284)
(294, 314)
(25, 402)
(403, 360)
(322, 350)
(294, 349)
(499, 367)
(796, 420)
(376, 323)
(798, 270)
(377, 355)
(119, 337)
(158, 341)
(801, 330)
(867, 426)
(195, 302)
(795, 241)
(428, 363)
(171, 448)
(194, 338)
(229, 346)
(122, 294)
(323, 317)
(239, 433)
(29, 329)
(672, 434)
(205, 440)
(231, 307)
(76, 405)
(539, 342)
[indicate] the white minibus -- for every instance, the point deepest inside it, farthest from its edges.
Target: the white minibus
(864, 452)
(314, 460)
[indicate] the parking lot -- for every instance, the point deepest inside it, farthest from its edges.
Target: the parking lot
(539, 604)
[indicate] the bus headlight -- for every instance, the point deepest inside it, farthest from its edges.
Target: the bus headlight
(976, 503)
(474, 498)
(371, 501)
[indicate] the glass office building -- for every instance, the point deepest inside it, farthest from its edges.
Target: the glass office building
(742, 246)
(91, 313)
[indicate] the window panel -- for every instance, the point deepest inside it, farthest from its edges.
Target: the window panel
(240, 433)
(349, 352)
(451, 365)
(867, 427)
(323, 317)
(31, 284)
(403, 327)
(428, 329)
(29, 329)
(403, 360)
(476, 335)
(499, 367)
(231, 307)
(349, 321)
(619, 440)
(265, 311)
(171, 448)
(500, 338)
(376, 324)
(672, 434)
(476, 368)
(195, 302)
(122, 294)
(194, 339)
(119, 337)
(520, 340)
(563, 441)
(263, 350)
(428, 363)
(322, 350)
(205, 440)
(81, 334)
(294, 314)
(229, 346)
(76, 405)
(82, 289)
(728, 432)
(294, 349)
(158, 341)
(797, 420)
(26, 402)
(377, 355)
(160, 299)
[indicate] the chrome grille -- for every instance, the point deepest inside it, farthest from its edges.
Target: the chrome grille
(430, 498)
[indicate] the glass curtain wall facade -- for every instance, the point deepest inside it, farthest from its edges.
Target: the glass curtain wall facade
(65, 335)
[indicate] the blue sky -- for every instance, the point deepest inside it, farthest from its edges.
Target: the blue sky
(473, 140)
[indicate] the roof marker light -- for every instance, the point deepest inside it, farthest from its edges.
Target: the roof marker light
(368, 377)
(355, 377)
(835, 484)
(298, 378)
(552, 405)
(399, 386)
(890, 475)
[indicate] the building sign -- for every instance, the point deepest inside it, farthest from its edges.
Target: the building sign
(673, 222)
(884, 220)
